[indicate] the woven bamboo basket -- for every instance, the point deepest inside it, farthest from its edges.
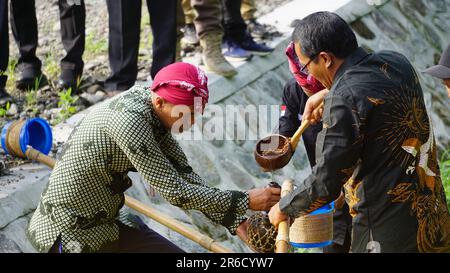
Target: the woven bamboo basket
(313, 230)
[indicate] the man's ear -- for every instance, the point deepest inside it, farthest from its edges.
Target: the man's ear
(327, 59)
(159, 102)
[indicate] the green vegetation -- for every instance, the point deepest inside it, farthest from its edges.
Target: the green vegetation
(4, 110)
(31, 94)
(10, 84)
(66, 103)
(445, 174)
(95, 46)
(51, 65)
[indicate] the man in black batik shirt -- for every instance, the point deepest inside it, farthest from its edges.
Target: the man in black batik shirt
(295, 95)
(377, 143)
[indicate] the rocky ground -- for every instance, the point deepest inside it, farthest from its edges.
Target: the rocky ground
(57, 105)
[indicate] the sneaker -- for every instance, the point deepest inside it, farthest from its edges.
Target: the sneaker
(256, 29)
(190, 35)
(255, 48)
(234, 53)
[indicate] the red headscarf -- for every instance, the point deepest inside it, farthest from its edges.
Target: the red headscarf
(304, 79)
(180, 83)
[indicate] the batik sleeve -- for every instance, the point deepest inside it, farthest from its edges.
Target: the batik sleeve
(338, 149)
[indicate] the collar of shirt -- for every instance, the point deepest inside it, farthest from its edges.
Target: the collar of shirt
(350, 61)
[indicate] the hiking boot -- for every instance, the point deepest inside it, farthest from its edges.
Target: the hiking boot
(256, 29)
(212, 55)
(234, 53)
(190, 35)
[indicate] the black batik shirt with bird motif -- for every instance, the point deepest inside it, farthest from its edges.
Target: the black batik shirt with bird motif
(86, 188)
(377, 143)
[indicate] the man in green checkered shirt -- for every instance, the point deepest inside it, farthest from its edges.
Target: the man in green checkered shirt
(132, 132)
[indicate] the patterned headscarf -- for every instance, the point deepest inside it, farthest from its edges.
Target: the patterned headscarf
(304, 79)
(180, 83)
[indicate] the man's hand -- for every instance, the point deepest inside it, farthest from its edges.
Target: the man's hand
(276, 216)
(263, 199)
(312, 111)
(241, 231)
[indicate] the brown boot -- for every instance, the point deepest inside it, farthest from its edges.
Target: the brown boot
(213, 58)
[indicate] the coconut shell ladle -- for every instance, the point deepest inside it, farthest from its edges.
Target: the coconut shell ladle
(275, 151)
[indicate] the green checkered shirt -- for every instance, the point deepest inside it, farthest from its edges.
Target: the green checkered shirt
(85, 190)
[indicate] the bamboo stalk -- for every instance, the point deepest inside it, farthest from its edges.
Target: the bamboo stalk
(188, 232)
(175, 225)
(282, 240)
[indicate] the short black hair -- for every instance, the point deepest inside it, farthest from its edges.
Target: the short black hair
(325, 31)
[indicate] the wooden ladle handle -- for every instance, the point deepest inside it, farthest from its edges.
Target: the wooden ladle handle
(296, 137)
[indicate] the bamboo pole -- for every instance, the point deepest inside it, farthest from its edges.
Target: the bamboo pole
(188, 232)
(175, 225)
(282, 240)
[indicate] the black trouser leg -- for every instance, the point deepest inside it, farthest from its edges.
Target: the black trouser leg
(25, 31)
(144, 240)
(133, 240)
(163, 19)
(234, 25)
(73, 18)
(4, 42)
(124, 30)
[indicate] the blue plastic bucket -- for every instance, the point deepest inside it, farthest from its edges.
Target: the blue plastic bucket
(323, 216)
(17, 135)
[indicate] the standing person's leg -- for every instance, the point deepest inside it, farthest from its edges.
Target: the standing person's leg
(4, 50)
(25, 31)
(73, 19)
(236, 31)
(189, 33)
(163, 19)
(208, 23)
(124, 31)
(144, 240)
(208, 16)
(182, 29)
(234, 25)
(188, 11)
(248, 9)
